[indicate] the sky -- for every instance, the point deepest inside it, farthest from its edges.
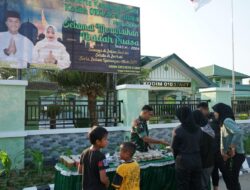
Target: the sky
(200, 38)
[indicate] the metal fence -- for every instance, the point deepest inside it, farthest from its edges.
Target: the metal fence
(241, 106)
(70, 113)
(165, 110)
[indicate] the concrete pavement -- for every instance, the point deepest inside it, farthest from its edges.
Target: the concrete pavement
(244, 181)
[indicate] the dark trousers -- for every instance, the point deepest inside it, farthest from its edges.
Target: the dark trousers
(205, 178)
(219, 164)
(188, 179)
(233, 167)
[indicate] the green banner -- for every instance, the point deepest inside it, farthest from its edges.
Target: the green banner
(86, 35)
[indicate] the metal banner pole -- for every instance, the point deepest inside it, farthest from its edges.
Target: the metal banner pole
(233, 58)
(107, 99)
(19, 74)
(115, 98)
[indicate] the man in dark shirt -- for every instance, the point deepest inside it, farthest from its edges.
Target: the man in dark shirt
(140, 132)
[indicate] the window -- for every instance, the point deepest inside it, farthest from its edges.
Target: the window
(217, 81)
(166, 67)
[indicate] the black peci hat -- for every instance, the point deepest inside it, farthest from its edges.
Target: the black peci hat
(13, 14)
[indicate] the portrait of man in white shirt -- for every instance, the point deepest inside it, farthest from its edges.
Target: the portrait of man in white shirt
(15, 49)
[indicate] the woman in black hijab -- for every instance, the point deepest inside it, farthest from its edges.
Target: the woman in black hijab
(232, 149)
(186, 150)
(223, 111)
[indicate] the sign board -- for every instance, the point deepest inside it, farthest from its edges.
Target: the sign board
(86, 35)
(168, 84)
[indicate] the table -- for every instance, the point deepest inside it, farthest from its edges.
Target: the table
(155, 175)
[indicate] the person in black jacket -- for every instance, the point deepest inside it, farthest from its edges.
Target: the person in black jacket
(218, 160)
(186, 150)
(207, 152)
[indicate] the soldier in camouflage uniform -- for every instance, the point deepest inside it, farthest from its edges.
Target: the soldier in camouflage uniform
(140, 132)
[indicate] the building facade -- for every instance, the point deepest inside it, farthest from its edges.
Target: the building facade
(171, 78)
(222, 77)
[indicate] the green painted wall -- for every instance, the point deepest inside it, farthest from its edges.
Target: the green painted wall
(216, 95)
(35, 94)
(133, 100)
(12, 97)
(12, 113)
(242, 94)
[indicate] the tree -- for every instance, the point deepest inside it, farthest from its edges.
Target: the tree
(133, 79)
(91, 85)
(7, 73)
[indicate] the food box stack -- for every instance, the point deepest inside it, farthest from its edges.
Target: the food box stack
(70, 161)
(147, 156)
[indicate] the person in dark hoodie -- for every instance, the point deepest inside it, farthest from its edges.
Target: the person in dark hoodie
(207, 151)
(218, 160)
(232, 149)
(186, 150)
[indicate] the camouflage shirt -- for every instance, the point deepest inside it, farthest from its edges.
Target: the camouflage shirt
(137, 134)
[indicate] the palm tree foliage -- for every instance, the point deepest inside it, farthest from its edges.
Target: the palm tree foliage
(91, 85)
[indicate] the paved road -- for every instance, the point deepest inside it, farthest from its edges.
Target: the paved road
(244, 181)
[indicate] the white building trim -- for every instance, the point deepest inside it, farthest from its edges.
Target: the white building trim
(215, 89)
(16, 134)
(133, 86)
(13, 82)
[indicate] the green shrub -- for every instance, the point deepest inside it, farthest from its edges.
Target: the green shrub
(68, 152)
(37, 160)
(5, 162)
(154, 120)
(82, 123)
(162, 119)
(243, 116)
(247, 144)
(166, 119)
(53, 110)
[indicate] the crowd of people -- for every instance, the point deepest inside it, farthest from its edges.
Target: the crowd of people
(203, 144)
